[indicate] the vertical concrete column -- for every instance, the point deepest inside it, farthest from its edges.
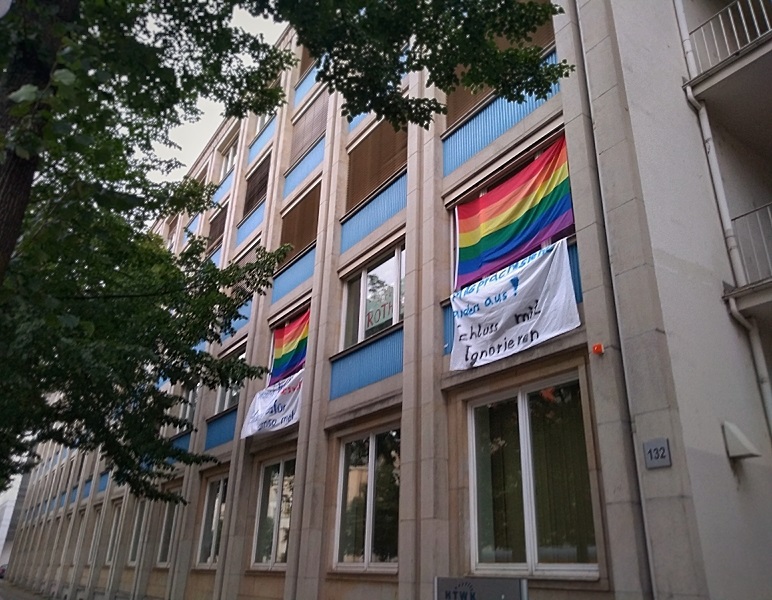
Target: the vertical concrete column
(306, 562)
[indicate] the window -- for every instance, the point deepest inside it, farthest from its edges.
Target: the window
(95, 535)
(187, 408)
(171, 234)
(217, 226)
(115, 532)
(299, 223)
(309, 128)
(211, 527)
(263, 120)
(229, 396)
(306, 61)
(136, 534)
(274, 511)
(532, 506)
(257, 186)
(228, 160)
(167, 531)
(376, 159)
(370, 298)
(368, 521)
(462, 101)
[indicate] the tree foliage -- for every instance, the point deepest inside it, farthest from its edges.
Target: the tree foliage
(93, 309)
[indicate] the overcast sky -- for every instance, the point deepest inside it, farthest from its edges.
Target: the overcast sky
(193, 136)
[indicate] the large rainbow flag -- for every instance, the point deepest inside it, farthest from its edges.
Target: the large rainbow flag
(289, 348)
(512, 220)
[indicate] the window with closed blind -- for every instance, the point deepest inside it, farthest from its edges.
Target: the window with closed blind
(217, 226)
(462, 102)
(257, 186)
(309, 127)
(306, 62)
(298, 225)
(375, 160)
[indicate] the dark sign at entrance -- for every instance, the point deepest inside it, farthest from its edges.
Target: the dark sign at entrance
(480, 588)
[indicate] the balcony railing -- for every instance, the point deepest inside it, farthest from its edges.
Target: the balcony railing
(754, 235)
(730, 31)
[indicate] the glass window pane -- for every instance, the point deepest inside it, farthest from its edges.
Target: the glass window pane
(114, 532)
(287, 486)
(354, 502)
(207, 524)
(402, 284)
(379, 312)
(170, 515)
(137, 533)
(220, 515)
(352, 313)
(500, 521)
(268, 502)
(564, 524)
(386, 500)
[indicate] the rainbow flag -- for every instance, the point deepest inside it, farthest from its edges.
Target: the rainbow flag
(289, 348)
(512, 220)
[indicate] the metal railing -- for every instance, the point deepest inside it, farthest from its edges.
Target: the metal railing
(730, 31)
(754, 235)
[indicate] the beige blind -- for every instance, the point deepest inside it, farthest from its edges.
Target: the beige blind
(299, 224)
(382, 154)
(257, 186)
(309, 128)
(462, 101)
(217, 226)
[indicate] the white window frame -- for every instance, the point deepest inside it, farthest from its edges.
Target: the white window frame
(394, 253)
(271, 564)
(367, 564)
(531, 568)
(115, 533)
(136, 533)
(229, 155)
(262, 121)
(168, 527)
(219, 500)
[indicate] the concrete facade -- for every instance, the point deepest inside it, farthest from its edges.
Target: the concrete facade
(661, 186)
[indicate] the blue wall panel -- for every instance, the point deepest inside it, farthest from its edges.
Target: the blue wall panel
(354, 123)
(182, 442)
(304, 168)
(224, 187)
(373, 214)
(245, 312)
(261, 141)
(248, 225)
(300, 271)
(368, 364)
(447, 312)
(216, 256)
(192, 226)
(491, 122)
(220, 430)
(103, 477)
(304, 86)
(73, 494)
(87, 488)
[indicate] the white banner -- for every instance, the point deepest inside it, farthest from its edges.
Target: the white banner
(520, 306)
(275, 407)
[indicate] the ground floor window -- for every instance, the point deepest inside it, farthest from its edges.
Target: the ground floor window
(369, 499)
(214, 515)
(531, 482)
(167, 530)
(274, 511)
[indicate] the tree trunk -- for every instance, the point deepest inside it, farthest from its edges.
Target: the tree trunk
(31, 62)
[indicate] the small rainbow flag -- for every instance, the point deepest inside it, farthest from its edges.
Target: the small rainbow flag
(289, 348)
(512, 220)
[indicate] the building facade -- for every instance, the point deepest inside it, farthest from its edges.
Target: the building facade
(627, 458)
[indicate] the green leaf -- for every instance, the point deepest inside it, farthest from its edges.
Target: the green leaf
(26, 93)
(69, 321)
(22, 152)
(63, 77)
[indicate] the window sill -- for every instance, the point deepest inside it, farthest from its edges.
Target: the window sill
(388, 571)
(261, 568)
(567, 573)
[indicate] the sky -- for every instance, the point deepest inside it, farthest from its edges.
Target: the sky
(193, 136)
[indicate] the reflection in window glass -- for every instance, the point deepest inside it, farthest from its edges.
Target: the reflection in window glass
(170, 518)
(369, 518)
(380, 285)
(274, 513)
(211, 528)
